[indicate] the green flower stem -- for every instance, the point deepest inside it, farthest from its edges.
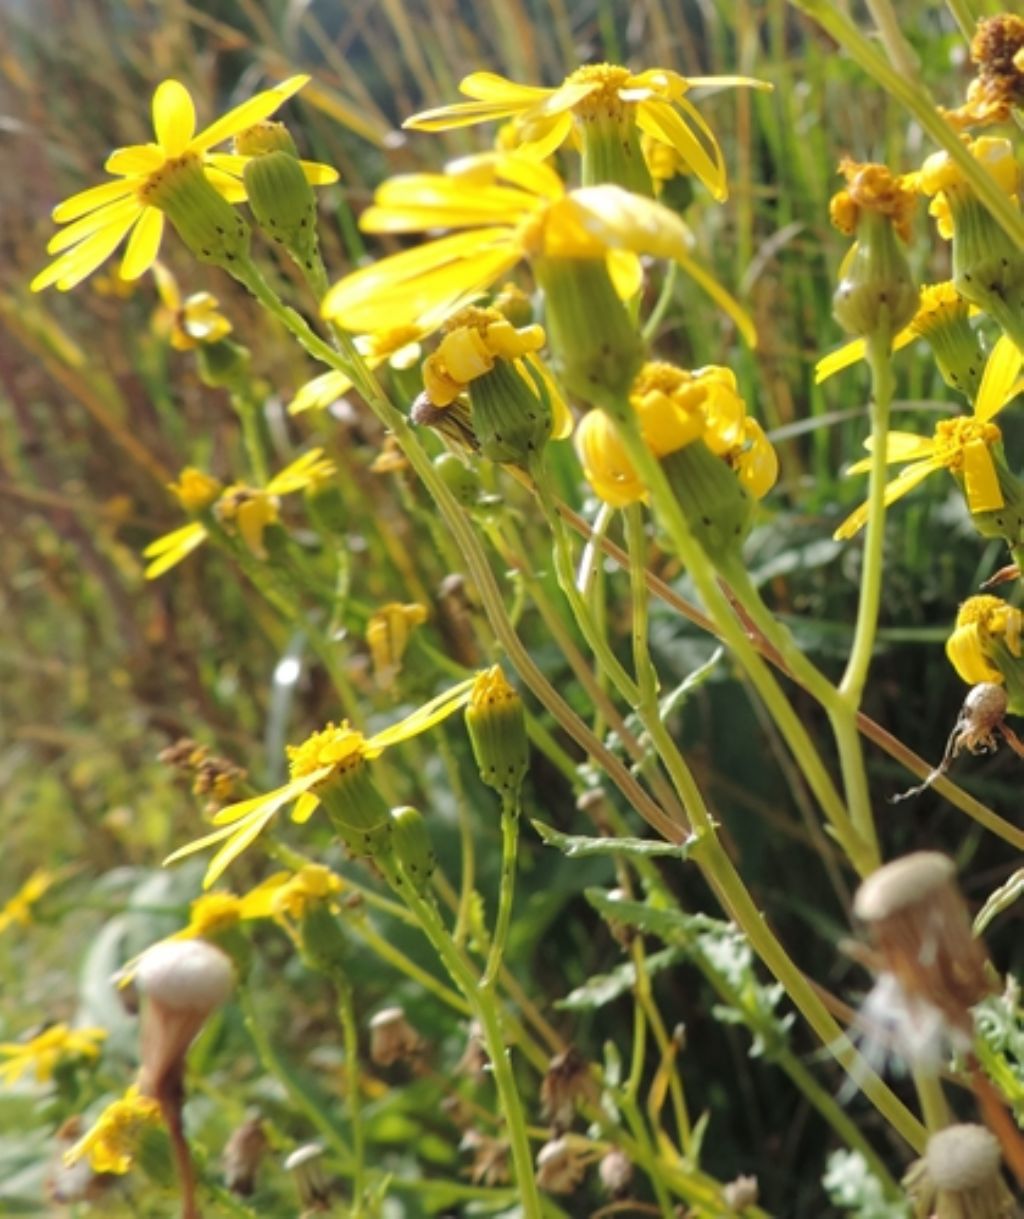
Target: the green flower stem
(249, 413)
(350, 1035)
(506, 891)
(294, 1089)
(636, 544)
(932, 1100)
(901, 54)
(351, 363)
(383, 947)
(648, 1157)
(852, 685)
(467, 841)
(483, 1002)
(914, 98)
(963, 16)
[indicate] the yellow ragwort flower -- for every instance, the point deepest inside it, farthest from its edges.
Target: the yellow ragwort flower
(325, 753)
(982, 623)
(387, 636)
(18, 909)
(940, 176)
(963, 445)
(111, 1142)
(188, 322)
(510, 208)
(97, 220)
(43, 1053)
(248, 510)
(676, 408)
(654, 102)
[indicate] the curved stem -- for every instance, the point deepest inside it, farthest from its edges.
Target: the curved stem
(506, 890)
(347, 1012)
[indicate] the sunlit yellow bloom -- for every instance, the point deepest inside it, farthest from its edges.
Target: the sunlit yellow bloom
(982, 624)
(285, 895)
(940, 176)
(110, 1144)
(324, 754)
(42, 1054)
(962, 445)
(654, 101)
(247, 510)
(398, 346)
(676, 408)
(99, 219)
(511, 208)
(940, 304)
(18, 909)
(196, 319)
(387, 636)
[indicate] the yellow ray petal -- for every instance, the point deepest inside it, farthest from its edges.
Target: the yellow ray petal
(318, 174)
(144, 244)
(295, 475)
(123, 210)
(981, 482)
(166, 555)
(998, 380)
(171, 541)
(657, 118)
(240, 841)
(250, 112)
(422, 718)
(729, 82)
(442, 201)
(461, 114)
(226, 185)
(136, 160)
(622, 220)
(71, 268)
(904, 482)
(964, 650)
(174, 117)
(724, 300)
(91, 199)
(305, 807)
(546, 138)
(490, 87)
(320, 392)
(899, 446)
(278, 798)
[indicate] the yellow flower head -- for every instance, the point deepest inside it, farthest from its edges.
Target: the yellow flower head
(190, 322)
(43, 1053)
(324, 755)
(675, 408)
(110, 1144)
(508, 208)
(312, 885)
(246, 509)
(18, 909)
(962, 445)
(652, 102)
(387, 636)
(474, 339)
(872, 188)
(941, 177)
(981, 624)
(99, 219)
(998, 49)
(212, 914)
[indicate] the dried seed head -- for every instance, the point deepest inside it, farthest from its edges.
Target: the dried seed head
(560, 1165)
(616, 1173)
(393, 1039)
(490, 1158)
(306, 1166)
(243, 1155)
(474, 1062)
(922, 932)
(741, 1193)
(567, 1080)
(959, 1176)
(182, 982)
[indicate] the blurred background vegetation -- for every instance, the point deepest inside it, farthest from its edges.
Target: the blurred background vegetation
(100, 670)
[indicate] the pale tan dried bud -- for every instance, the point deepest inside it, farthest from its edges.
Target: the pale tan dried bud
(393, 1039)
(243, 1154)
(182, 982)
(741, 1193)
(474, 1062)
(921, 930)
(490, 1158)
(568, 1080)
(560, 1165)
(616, 1173)
(307, 1168)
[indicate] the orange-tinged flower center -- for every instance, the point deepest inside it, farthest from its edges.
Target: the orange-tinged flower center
(872, 188)
(337, 746)
(952, 436)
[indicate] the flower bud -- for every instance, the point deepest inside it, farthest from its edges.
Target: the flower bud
(985, 646)
(311, 1183)
(387, 636)
(412, 846)
(459, 478)
(281, 198)
(497, 732)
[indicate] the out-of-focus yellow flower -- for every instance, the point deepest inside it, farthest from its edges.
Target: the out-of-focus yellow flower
(41, 1054)
(511, 208)
(283, 896)
(248, 510)
(18, 909)
(190, 321)
(326, 753)
(675, 408)
(962, 445)
(99, 219)
(998, 88)
(983, 624)
(653, 102)
(110, 1144)
(940, 176)
(387, 636)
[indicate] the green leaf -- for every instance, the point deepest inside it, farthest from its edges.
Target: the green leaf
(690, 683)
(999, 900)
(577, 846)
(671, 925)
(604, 988)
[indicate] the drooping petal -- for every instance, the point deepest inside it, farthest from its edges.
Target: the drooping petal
(318, 174)
(546, 137)
(305, 807)
(167, 287)
(273, 800)
(74, 266)
(490, 87)
(904, 482)
(966, 655)
(240, 840)
(320, 392)
(851, 352)
(723, 299)
(899, 447)
(250, 112)
(136, 160)
(113, 214)
(172, 548)
(626, 272)
(621, 220)
(999, 380)
(659, 119)
(174, 117)
(413, 202)
(295, 475)
(422, 718)
(461, 114)
(144, 244)
(981, 481)
(89, 200)
(729, 82)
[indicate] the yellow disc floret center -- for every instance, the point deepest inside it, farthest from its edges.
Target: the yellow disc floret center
(337, 746)
(952, 436)
(606, 100)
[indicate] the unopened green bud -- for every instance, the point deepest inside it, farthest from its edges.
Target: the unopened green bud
(223, 365)
(497, 730)
(511, 418)
(210, 227)
(281, 198)
(413, 849)
(876, 294)
(459, 478)
(324, 947)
